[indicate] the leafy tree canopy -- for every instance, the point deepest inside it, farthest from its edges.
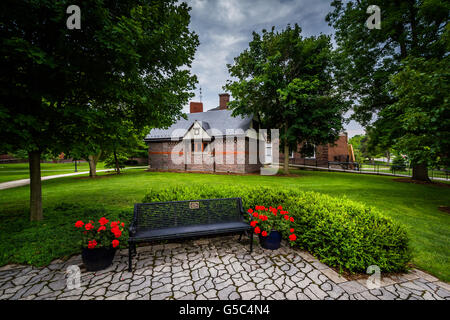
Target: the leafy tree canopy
(285, 80)
(130, 58)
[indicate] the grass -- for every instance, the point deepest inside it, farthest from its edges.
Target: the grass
(413, 205)
(16, 171)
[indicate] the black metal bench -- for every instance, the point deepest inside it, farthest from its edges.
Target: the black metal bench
(184, 219)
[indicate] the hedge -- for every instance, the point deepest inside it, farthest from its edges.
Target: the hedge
(341, 233)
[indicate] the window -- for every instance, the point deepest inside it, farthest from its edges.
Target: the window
(309, 150)
(198, 146)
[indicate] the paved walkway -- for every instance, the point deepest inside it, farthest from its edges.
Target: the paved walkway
(213, 268)
(24, 182)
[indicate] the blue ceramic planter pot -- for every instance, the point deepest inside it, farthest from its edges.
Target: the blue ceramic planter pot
(272, 241)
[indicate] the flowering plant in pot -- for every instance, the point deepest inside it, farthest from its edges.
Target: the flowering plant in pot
(99, 241)
(268, 223)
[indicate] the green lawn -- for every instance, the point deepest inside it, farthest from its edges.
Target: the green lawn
(16, 171)
(414, 205)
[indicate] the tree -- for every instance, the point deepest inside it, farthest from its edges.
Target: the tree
(122, 141)
(422, 112)
(356, 143)
(366, 58)
(285, 81)
(131, 57)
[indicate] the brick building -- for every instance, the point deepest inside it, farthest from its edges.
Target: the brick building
(212, 141)
(215, 141)
(320, 155)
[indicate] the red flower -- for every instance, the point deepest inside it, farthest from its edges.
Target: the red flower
(89, 226)
(250, 210)
(117, 232)
(264, 234)
(253, 223)
(283, 212)
(286, 217)
(114, 224)
(292, 230)
(79, 224)
(257, 230)
(123, 224)
(115, 243)
(280, 208)
(92, 244)
(292, 237)
(101, 228)
(103, 221)
(291, 219)
(255, 214)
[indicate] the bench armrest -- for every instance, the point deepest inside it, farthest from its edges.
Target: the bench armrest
(245, 213)
(133, 229)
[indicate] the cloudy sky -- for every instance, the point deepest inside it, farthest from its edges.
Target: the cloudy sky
(225, 27)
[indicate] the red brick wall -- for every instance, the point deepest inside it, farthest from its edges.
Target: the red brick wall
(162, 154)
(321, 156)
(339, 150)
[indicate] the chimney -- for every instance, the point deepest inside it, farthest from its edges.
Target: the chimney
(196, 107)
(224, 98)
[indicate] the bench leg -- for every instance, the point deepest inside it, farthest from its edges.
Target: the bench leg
(251, 242)
(130, 249)
(240, 237)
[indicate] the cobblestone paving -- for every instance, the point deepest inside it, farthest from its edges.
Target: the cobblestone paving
(213, 268)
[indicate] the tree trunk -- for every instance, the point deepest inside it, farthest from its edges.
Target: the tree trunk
(34, 160)
(420, 172)
(286, 152)
(117, 162)
(92, 166)
(93, 159)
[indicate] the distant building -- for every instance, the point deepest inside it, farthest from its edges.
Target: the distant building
(320, 155)
(213, 136)
(214, 139)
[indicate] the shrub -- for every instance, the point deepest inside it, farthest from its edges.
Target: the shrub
(342, 233)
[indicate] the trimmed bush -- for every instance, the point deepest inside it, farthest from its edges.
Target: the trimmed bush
(340, 232)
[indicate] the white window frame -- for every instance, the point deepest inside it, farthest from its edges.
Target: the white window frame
(314, 156)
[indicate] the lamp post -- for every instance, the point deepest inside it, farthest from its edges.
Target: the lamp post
(76, 169)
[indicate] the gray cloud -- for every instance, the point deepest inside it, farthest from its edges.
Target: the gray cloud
(225, 28)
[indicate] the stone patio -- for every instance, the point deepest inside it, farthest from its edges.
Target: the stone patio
(212, 268)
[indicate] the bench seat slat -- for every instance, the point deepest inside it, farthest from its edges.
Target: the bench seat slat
(193, 230)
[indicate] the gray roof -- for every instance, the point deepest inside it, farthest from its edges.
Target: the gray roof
(219, 120)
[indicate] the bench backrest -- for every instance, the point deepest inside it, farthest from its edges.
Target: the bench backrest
(159, 215)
